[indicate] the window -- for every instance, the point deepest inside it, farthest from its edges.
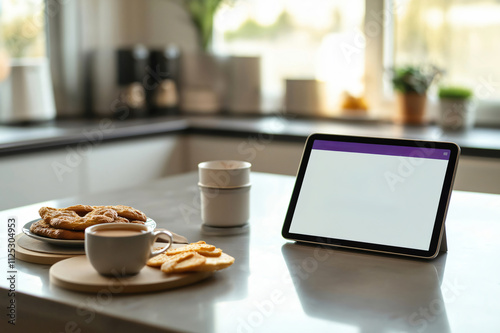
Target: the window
(22, 28)
(296, 39)
(460, 37)
(350, 45)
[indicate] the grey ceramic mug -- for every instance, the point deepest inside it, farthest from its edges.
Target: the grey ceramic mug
(120, 249)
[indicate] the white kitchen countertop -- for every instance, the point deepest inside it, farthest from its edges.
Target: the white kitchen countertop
(275, 285)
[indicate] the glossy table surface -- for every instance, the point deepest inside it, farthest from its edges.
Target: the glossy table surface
(275, 285)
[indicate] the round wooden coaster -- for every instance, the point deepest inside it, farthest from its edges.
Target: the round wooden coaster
(40, 246)
(38, 257)
(78, 274)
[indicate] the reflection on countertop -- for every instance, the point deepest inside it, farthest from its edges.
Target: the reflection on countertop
(392, 291)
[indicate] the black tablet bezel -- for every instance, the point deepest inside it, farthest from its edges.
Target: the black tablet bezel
(439, 223)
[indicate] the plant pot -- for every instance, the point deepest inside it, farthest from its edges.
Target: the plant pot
(456, 114)
(411, 108)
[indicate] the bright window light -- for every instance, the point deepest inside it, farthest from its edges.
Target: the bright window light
(22, 28)
(295, 39)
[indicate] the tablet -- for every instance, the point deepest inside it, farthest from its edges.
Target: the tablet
(376, 194)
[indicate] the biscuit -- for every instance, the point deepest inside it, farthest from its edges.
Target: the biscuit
(120, 219)
(100, 215)
(194, 257)
(42, 228)
(70, 222)
(127, 212)
(81, 210)
(183, 262)
(215, 263)
(195, 262)
(47, 213)
(200, 247)
(158, 260)
(71, 218)
(172, 260)
(215, 253)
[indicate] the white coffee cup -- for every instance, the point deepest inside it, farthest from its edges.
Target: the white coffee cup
(225, 193)
(120, 249)
(224, 173)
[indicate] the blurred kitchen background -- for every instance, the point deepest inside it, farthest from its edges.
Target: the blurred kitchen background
(86, 84)
(332, 56)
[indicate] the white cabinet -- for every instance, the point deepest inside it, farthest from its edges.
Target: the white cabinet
(39, 176)
(478, 174)
(129, 163)
(88, 168)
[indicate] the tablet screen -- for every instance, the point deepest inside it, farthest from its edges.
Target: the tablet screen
(380, 194)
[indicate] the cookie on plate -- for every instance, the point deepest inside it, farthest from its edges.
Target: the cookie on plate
(42, 228)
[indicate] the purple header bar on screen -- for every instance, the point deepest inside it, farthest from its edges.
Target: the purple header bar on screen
(369, 148)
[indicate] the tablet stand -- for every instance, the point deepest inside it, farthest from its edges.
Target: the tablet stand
(444, 243)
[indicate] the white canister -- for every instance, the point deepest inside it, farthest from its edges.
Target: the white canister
(225, 207)
(306, 97)
(244, 85)
(225, 193)
(26, 94)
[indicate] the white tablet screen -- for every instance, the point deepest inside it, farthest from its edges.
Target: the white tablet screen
(372, 193)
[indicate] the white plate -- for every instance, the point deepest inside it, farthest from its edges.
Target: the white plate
(150, 223)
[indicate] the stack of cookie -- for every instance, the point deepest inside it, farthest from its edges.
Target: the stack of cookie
(71, 222)
(194, 257)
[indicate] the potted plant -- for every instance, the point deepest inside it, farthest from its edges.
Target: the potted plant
(456, 109)
(212, 83)
(202, 74)
(202, 14)
(411, 84)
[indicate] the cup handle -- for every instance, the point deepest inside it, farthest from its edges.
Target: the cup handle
(156, 234)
